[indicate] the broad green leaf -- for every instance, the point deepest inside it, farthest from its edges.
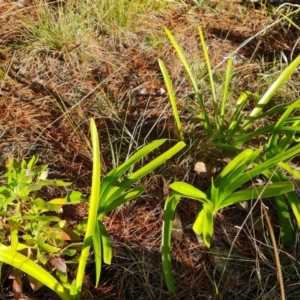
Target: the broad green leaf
(40, 257)
(204, 224)
(294, 203)
(207, 226)
(214, 193)
(64, 234)
(45, 206)
(53, 182)
(271, 190)
(75, 197)
(73, 290)
(290, 169)
(189, 191)
(228, 148)
(17, 260)
(239, 163)
(64, 201)
(198, 225)
(264, 166)
(14, 239)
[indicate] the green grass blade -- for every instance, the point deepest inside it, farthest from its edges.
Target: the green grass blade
(229, 148)
(169, 210)
(210, 76)
(23, 263)
(284, 76)
(93, 208)
(206, 123)
(226, 89)
(172, 98)
(241, 138)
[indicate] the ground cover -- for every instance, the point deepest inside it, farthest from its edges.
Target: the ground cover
(54, 78)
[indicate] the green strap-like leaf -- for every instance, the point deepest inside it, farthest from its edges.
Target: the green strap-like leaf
(97, 252)
(226, 181)
(206, 122)
(23, 263)
(114, 175)
(283, 212)
(280, 124)
(169, 210)
(125, 197)
(271, 190)
(284, 76)
(106, 244)
(93, 208)
(143, 171)
(172, 98)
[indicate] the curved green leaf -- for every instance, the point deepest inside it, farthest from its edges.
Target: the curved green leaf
(17, 260)
(189, 191)
(93, 208)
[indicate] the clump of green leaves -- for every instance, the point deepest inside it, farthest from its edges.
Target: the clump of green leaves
(232, 128)
(228, 126)
(225, 190)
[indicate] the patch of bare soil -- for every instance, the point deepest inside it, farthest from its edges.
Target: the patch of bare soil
(46, 101)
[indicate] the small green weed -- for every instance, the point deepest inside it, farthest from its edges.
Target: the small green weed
(26, 224)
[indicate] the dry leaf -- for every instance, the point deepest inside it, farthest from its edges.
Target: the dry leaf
(17, 288)
(59, 264)
(177, 229)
